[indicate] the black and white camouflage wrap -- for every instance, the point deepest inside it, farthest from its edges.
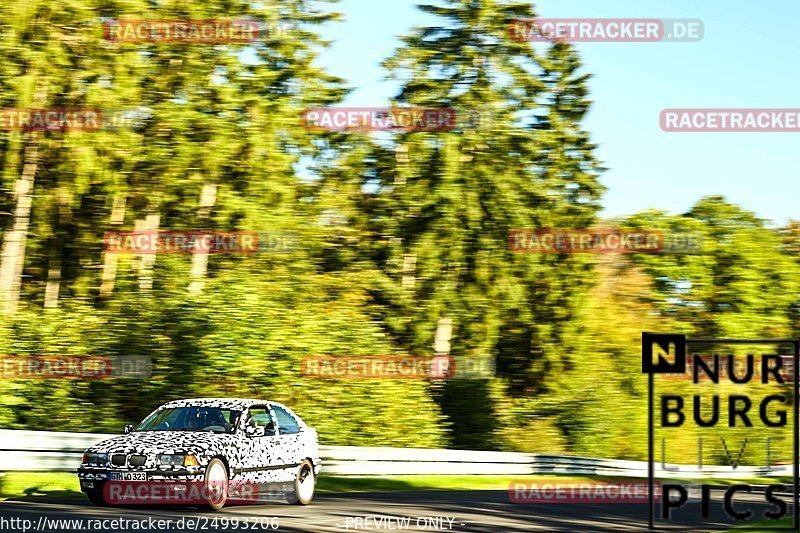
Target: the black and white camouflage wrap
(262, 459)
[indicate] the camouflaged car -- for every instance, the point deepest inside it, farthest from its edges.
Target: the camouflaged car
(215, 443)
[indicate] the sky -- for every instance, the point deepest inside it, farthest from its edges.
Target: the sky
(748, 58)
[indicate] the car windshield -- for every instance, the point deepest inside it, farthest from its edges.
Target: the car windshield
(191, 418)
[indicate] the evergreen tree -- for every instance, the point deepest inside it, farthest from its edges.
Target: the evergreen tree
(441, 205)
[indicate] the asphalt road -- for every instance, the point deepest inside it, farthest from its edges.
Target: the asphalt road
(467, 511)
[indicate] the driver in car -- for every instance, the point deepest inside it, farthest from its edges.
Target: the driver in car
(215, 419)
(204, 419)
(197, 420)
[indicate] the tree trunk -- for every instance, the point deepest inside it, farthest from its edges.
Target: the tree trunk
(12, 257)
(409, 270)
(110, 260)
(208, 197)
(53, 286)
(148, 260)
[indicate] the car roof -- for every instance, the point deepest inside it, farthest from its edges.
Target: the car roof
(223, 403)
(236, 404)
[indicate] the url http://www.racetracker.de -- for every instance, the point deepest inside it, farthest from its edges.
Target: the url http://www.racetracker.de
(199, 523)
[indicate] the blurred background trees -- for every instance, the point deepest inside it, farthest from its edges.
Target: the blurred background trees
(402, 237)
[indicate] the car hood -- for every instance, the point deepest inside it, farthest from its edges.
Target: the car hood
(149, 442)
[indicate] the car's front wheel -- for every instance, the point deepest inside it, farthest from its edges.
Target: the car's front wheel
(304, 484)
(215, 484)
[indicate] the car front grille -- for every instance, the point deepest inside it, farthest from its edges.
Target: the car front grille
(137, 460)
(118, 459)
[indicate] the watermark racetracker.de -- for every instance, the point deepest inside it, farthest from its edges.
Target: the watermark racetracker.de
(75, 367)
(397, 367)
(145, 242)
(73, 119)
(606, 30)
(50, 119)
(174, 491)
(707, 120)
(348, 119)
(565, 241)
(200, 31)
(634, 491)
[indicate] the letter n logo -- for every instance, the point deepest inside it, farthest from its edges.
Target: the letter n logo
(663, 353)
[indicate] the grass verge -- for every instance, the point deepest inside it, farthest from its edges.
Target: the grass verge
(765, 526)
(35, 485)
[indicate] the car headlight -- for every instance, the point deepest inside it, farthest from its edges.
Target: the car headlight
(95, 458)
(178, 459)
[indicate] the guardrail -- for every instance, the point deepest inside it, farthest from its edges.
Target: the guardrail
(61, 451)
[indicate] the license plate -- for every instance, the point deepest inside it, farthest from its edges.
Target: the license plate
(127, 476)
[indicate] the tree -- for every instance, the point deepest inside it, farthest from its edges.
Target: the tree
(440, 205)
(742, 284)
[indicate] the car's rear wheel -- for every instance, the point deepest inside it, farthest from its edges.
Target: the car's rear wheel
(304, 484)
(215, 484)
(96, 497)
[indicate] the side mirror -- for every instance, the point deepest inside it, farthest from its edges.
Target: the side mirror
(129, 428)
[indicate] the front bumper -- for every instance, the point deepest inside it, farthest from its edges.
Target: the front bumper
(95, 478)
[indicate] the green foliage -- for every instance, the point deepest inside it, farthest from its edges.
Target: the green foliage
(742, 283)
(402, 237)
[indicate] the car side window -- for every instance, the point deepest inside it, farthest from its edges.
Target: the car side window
(260, 417)
(286, 422)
